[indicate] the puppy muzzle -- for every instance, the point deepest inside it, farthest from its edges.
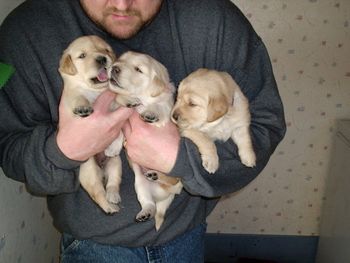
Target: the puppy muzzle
(115, 70)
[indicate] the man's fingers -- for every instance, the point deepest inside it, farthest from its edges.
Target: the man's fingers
(104, 104)
(126, 129)
(136, 121)
(104, 101)
(121, 114)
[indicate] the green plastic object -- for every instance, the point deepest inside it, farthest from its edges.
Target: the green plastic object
(6, 71)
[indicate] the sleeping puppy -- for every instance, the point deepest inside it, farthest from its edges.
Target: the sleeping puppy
(142, 82)
(83, 67)
(210, 106)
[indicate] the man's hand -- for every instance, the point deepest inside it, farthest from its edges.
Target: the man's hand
(80, 138)
(150, 146)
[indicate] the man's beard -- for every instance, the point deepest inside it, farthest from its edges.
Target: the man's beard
(130, 29)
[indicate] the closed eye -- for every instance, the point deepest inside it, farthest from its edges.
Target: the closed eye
(192, 104)
(138, 69)
(82, 55)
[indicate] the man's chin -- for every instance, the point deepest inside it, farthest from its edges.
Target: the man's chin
(122, 30)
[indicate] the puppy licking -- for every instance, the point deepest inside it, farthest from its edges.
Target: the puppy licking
(142, 82)
(83, 67)
(210, 106)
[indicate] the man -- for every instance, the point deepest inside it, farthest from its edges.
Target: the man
(43, 148)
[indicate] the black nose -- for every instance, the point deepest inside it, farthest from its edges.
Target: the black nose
(101, 60)
(115, 70)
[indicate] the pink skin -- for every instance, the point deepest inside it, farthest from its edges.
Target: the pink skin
(80, 138)
(121, 18)
(150, 146)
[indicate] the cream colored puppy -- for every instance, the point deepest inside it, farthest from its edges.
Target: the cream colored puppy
(83, 67)
(210, 106)
(143, 82)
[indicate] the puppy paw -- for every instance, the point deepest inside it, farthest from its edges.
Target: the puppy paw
(210, 163)
(83, 111)
(132, 102)
(128, 101)
(146, 214)
(113, 196)
(111, 208)
(149, 116)
(248, 158)
(151, 175)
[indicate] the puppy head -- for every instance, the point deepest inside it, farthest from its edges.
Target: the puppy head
(203, 97)
(137, 74)
(86, 60)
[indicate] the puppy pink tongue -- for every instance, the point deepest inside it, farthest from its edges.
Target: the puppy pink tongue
(102, 75)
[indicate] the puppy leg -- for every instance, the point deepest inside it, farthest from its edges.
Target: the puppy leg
(162, 207)
(115, 147)
(113, 174)
(206, 148)
(242, 139)
(144, 195)
(161, 178)
(91, 179)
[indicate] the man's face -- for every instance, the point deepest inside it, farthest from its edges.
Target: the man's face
(121, 18)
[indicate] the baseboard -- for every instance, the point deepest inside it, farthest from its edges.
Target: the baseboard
(232, 248)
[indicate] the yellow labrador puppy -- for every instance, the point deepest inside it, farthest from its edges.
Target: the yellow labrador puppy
(210, 106)
(143, 82)
(83, 67)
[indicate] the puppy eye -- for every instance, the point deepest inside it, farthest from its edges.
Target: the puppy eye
(109, 51)
(82, 55)
(138, 69)
(191, 104)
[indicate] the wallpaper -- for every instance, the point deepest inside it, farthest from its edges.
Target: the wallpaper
(26, 231)
(309, 45)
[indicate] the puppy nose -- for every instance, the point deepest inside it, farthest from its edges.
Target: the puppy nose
(101, 60)
(115, 70)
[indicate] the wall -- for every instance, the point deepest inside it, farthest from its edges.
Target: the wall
(309, 43)
(26, 231)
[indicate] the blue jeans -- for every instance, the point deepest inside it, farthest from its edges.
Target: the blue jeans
(187, 248)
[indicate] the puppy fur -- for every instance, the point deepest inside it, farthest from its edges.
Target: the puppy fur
(142, 82)
(83, 67)
(210, 106)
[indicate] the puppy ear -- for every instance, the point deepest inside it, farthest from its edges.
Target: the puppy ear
(158, 87)
(67, 65)
(217, 107)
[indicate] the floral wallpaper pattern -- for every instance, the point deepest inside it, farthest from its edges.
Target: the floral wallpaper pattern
(309, 45)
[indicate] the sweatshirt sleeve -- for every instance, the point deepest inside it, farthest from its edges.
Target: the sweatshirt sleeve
(28, 116)
(239, 51)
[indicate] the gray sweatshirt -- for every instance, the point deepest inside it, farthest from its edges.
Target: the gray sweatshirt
(184, 36)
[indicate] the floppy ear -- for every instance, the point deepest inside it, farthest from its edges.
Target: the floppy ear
(158, 87)
(217, 107)
(67, 66)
